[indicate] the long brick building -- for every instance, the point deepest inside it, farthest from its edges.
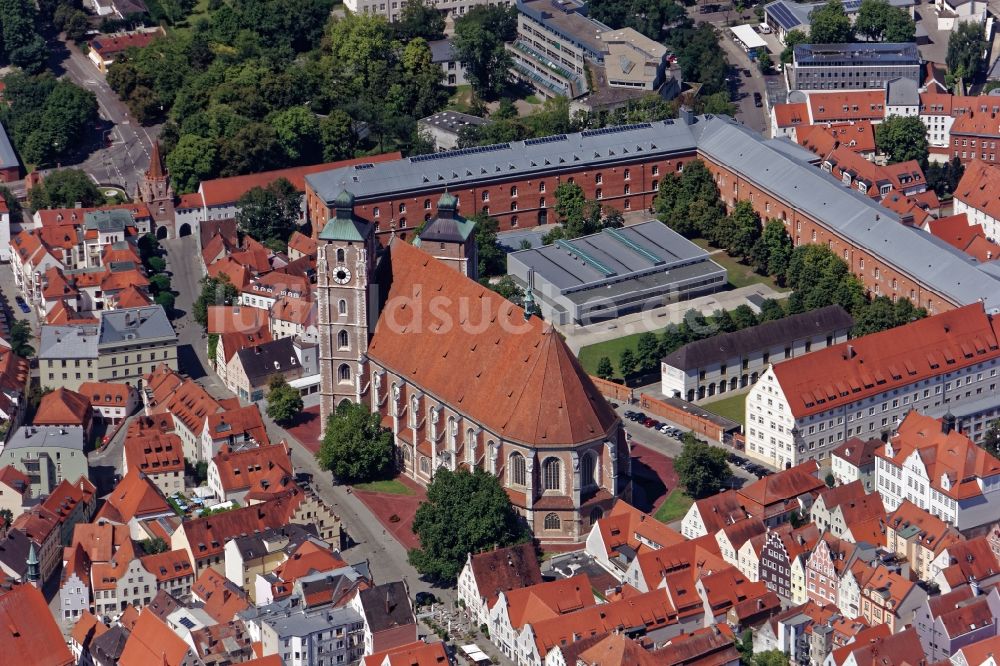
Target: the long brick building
(622, 166)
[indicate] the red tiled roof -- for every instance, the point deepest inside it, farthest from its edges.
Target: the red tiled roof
(935, 535)
(66, 496)
(28, 630)
(873, 364)
(306, 559)
(777, 489)
(976, 124)
(135, 496)
(952, 455)
(182, 398)
(63, 407)
(979, 188)
(237, 273)
(850, 105)
(132, 297)
(302, 243)
(241, 423)
(626, 525)
(64, 314)
(153, 643)
(528, 605)
(721, 509)
(222, 598)
(518, 379)
(207, 536)
(106, 394)
(259, 469)
(295, 310)
(52, 217)
(154, 453)
(236, 319)
(38, 523)
(971, 560)
(168, 565)
(979, 652)
(234, 342)
(109, 45)
(790, 115)
(858, 136)
(411, 654)
(87, 628)
(710, 646)
(226, 191)
(505, 569)
(15, 479)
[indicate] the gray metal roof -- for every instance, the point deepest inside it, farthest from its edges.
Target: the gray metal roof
(902, 92)
(719, 348)
(107, 221)
(521, 159)
(46, 437)
(858, 53)
(442, 50)
(68, 342)
(8, 158)
(855, 217)
(790, 15)
(268, 358)
(568, 19)
(134, 325)
(453, 121)
(611, 256)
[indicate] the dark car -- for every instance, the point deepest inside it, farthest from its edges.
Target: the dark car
(425, 599)
(746, 73)
(757, 101)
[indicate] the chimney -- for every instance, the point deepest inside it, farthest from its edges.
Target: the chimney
(850, 352)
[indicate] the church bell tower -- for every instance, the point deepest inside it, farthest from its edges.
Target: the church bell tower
(345, 266)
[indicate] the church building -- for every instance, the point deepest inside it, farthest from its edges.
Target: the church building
(461, 376)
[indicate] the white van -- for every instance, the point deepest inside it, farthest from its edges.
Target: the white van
(764, 29)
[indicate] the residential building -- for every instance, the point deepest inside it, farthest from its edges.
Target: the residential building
(299, 633)
(974, 136)
(392, 10)
(712, 513)
(881, 644)
(157, 455)
(781, 547)
(293, 317)
(981, 652)
(971, 563)
(839, 508)
(234, 428)
(311, 559)
(864, 65)
(251, 370)
(63, 407)
(172, 571)
(854, 460)
(133, 342)
(732, 538)
(105, 48)
(930, 463)
(72, 504)
(261, 553)
(824, 566)
(970, 238)
(185, 403)
(67, 356)
(417, 653)
(31, 635)
(15, 490)
(731, 361)
(487, 574)
(725, 594)
(445, 127)
(870, 383)
(220, 597)
(47, 455)
(443, 54)
(151, 641)
(4, 214)
(41, 527)
(951, 621)
(977, 195)
(238, 474)
(86, 630)
(873, 180)
(111, 402)
(889, 598)
(615, 272)
(616, 538)
(919, 536)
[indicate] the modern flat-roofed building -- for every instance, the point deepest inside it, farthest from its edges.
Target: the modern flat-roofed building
(67, 356)
(858, 66)
(614, 272)
(445, 127)
(731, 361)
(393, 9)
(804, 408)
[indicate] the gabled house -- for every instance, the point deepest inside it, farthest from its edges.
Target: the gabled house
(948, 622)
(972, 563)
(485, 575)
(919, 536)
(889, 598)
(835, 509)
(616, 538)
(234, 428)
(727, 596)
(781, 547)
(711, 514)
(134, 499)
(731, 538)
(254, 473)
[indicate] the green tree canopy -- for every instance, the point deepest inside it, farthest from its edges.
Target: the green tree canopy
(991, 439)
(64, 189)
(830, 24)
(491, 257)
(792, 39)
(902, 138)
(21, 338)
(700, 467)
(214, 291)
(193, 160)
(689, 202)
(628, 362)
(355, 447)
(479, 41)
(419, 18)
(604, 368)
(269, 213)
(653, 18)
(464, 513)
(284, 404)
(701, 57)
(966, 47)
(46, 118)
(881, 22)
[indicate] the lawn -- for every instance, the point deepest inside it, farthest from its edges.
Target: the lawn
(461, 99)
(392, 487)
(740, 275)
(591, 355)
(733, 407)
(674, 507)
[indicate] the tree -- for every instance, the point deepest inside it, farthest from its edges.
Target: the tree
(269, 213)
(701, 57)
(771, 310)
(13, 204)
(830, 24)
(604, 368)
(774, 250)
(902, 138)
(966, 47)
(337, 135)
(6, 517)
(491, 257)
(355, 447)
(764, 62)
(991, 440)
(881, 22)
(20, 339)
(154, 545)
(700, 467)
(745, 230)
(64, 189)
(419, 19)
(627, 362)
(160, 283)
(47, 119)
(167, 300)
(156, 264)
(770, 658)
(792, 39)
(465, 512)
(214, 291)
(298, 133)
(479, 43)
(743, 317)
(192, 161)
(830, 480)
(648, 352)
(284, 403)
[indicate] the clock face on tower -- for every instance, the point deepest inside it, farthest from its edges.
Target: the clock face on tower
(342, 276)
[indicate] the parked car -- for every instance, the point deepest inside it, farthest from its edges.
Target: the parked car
(757, 101)
(746, 73)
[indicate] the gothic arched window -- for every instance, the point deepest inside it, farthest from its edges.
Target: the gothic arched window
(552, 522)
(340, 255)
(552, 471)
(342, 307)
(342, 340)
(344, 373)
(517, 472)
(588, 467)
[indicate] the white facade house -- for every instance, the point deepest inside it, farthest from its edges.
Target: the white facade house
(978, 196)
(803, 408)
(392, 9)
(940, 470)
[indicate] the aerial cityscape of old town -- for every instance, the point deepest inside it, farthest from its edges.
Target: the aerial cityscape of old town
(514, 332)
